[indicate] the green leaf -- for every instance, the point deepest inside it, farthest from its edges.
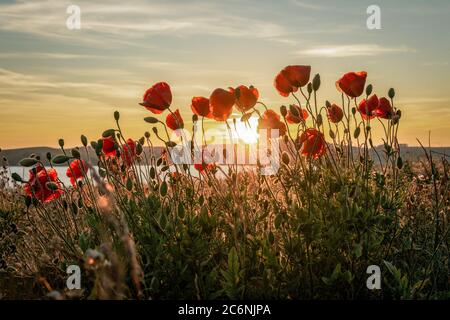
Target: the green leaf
(129, 184)
(358, 250)
(233, 261)
(163, 189)
(181, 210)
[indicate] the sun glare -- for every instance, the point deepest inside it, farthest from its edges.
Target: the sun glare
(247, 132)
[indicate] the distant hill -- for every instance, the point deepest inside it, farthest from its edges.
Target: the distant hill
(13, 156)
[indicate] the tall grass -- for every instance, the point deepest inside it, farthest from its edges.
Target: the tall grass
(307, 232)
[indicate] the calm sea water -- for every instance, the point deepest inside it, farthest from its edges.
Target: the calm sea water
(61, 170)
(24, 173)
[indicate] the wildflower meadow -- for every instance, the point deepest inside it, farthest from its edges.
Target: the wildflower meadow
(309, 210)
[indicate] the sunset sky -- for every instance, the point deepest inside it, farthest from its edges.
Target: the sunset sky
(56, 82)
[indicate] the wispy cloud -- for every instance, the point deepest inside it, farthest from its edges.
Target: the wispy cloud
(112, 20)
(353, 50)
(308, 5)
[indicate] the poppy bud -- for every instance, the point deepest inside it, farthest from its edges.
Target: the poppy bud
(328, 104)
(147, 134)
(309, 87)
(294, 110)
(48, 156)
(391, 93)
(194, 118)
(151, 120)
(316, 82)
(155, 130)
(399, 114)
(28, 162)
(61, 143)
(319, 119)
(84, 140)
(28, 201)
(16, 177)
(139, 149)
(142, 140)
(116, 115)
(353, 110)
(76, 153)
(283, 111)
(369, 90)
(285, 158)
(108, 133)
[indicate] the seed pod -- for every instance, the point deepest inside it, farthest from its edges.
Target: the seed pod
(151, 120)
(116, 115)
(283, 111)
(369, 89)
(391, 93)
(108, 133)
(285, 158)
(316, 82)
(28, 162)
(76, 154)
(84, 140)
(61, 143)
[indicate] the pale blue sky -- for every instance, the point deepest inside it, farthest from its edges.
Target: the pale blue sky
(56, 82)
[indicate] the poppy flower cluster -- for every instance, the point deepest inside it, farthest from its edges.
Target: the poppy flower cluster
(43, 184)
(352, 83)
(270, 120)
(76, 171)
(291, 78)
(312, 143)
(374, 107)
(296, 115)
(334, 113)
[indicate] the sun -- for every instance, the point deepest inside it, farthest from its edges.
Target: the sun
(247, 132)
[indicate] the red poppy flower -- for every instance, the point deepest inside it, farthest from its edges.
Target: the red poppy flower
(352, 83)
(200, 107)
(37, 184)
(367, 109)
(312, 143)
(157, 98)
(384, 109)
(129, 152)
(271, 120)
(207, 162)
(283, 86)
(291, 78)
(221, 104)
(335, 113)
(246, 97)
(298, 76)
(76, 170)
(291, 118)
(174, 120)
(109, 147)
